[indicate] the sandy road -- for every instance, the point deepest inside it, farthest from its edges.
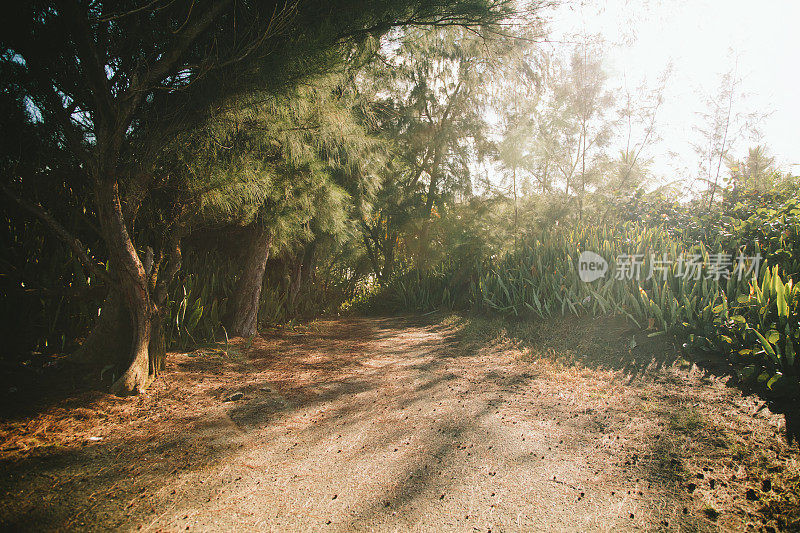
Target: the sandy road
(387, 424)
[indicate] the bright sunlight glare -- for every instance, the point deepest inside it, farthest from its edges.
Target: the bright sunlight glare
(701, 40)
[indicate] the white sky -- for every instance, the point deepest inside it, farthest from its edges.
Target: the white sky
(702, 39)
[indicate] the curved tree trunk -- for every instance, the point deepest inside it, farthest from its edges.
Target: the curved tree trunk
(131, 289)
(243, 318)
(110, 341)
(138, 376)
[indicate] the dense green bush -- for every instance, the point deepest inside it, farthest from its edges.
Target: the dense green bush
(749, 315)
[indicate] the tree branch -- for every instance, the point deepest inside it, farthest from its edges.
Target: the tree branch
(70, 240)
(143, 81)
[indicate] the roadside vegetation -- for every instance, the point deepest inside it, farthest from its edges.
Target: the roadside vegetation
(664, 276)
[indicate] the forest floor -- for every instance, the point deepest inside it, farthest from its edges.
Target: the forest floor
(438, 423)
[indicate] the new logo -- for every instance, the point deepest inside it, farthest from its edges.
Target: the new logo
(591, 266)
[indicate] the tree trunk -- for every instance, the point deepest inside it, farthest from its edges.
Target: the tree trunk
(309, 258)
(131, 290)
(388, 256)
(121, 336)
(372, 255)
(158, 344)
(294, 284)
(247, 294)
(160, 280)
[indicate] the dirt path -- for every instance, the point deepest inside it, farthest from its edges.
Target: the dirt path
(395, 425)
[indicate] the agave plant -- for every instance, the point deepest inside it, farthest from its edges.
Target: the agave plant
(765, 326)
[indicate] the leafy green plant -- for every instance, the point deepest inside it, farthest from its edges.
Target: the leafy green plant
(751, 319)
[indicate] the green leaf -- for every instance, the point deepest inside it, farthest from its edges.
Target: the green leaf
(780, 301)
(767, 346)
(747, 373)
(773, 336)
(789, 349)
(774, 379)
